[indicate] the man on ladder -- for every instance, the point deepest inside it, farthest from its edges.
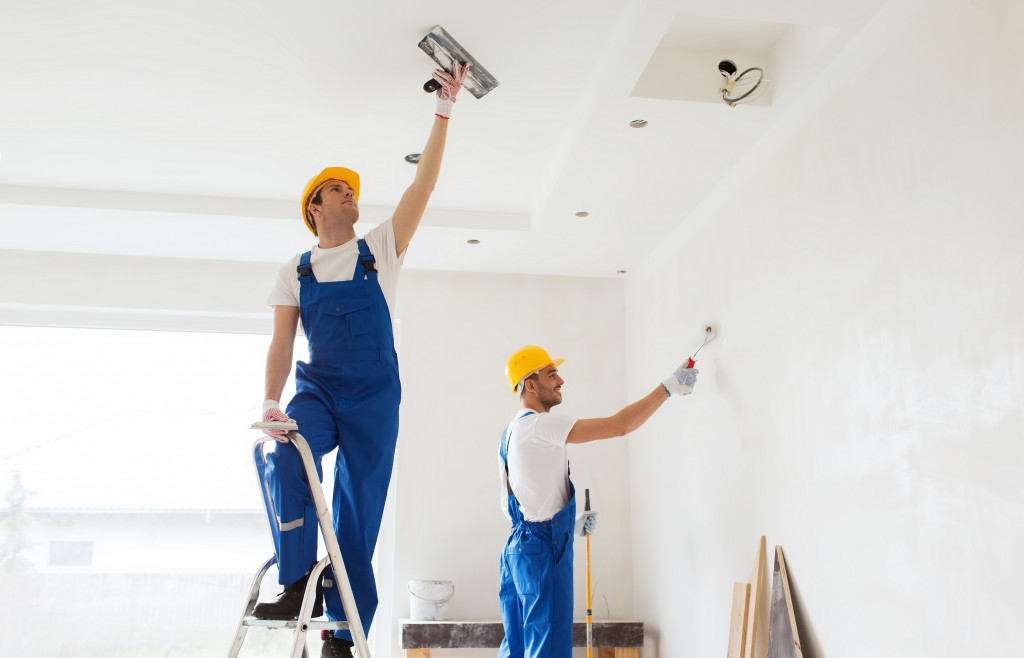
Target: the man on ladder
(538, 496)
(347, 395)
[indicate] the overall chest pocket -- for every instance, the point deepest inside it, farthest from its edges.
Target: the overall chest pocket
(354, 321)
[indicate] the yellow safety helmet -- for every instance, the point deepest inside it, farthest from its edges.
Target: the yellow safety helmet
(526, 361)
(331, 173)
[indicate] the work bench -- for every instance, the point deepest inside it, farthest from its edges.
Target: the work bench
(613, 638)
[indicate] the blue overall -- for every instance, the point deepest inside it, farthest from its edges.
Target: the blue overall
(346, 397)
(536, 579)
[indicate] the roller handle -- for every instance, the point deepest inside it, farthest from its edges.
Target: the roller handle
(586, 504)
(690, 363)
(431, 85)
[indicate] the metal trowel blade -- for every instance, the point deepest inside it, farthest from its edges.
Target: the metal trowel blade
(274, 425)
(444, 50)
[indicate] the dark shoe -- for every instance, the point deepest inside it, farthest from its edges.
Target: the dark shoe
(335, 647)
(288, 602)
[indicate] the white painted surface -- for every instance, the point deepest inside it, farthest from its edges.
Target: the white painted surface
(457, 331)
(861, 405)
(207, 107)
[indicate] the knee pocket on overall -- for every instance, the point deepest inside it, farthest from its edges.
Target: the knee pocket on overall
(284, 468)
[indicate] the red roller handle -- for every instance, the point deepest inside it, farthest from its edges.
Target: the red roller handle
(691, 363)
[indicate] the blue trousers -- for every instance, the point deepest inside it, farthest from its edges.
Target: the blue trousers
(536, 586)
(360, 419)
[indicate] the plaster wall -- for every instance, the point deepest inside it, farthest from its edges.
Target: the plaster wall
(457, 332)
(861, 405)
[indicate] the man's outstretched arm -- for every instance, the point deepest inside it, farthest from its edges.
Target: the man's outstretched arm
(625, 421)
(633, 416)
(410, 209)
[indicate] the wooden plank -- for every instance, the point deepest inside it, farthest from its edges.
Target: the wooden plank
(738, 619)
(756, 578)
(415, 653)
(783, 639)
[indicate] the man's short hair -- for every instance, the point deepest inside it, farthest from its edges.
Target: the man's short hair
(315, 199)
(522, 385)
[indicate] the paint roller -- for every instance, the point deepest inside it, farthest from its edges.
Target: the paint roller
(707, 336)
(445, 50)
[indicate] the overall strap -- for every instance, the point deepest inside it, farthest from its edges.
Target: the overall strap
(305, 268)
(366, 263)
(503, 451)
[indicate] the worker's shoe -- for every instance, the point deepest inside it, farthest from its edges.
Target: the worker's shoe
(335, 647)
(289, 601)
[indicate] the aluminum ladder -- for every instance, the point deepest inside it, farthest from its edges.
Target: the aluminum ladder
(303, 624)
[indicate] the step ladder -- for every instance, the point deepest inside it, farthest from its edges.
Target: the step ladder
(303, 624)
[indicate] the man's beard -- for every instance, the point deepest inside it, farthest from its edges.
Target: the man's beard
(551, 399)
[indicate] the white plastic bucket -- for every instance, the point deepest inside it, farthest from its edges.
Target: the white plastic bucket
(428, 599)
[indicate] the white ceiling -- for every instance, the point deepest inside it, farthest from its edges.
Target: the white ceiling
(188, 128)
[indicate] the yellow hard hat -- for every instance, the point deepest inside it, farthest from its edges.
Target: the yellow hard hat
(331, 173)
(526, 361)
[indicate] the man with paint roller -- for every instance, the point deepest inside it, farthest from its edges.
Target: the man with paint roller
(347, 395)
(537, 495)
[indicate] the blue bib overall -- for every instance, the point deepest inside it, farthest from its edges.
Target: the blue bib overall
(346, 397)
(536, 579)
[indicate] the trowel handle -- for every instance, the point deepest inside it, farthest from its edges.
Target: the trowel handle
(586, 504)
(690, 363)
(431, 85)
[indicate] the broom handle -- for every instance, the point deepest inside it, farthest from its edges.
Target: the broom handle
(590, 622)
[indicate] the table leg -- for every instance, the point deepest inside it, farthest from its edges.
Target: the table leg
(618, 652)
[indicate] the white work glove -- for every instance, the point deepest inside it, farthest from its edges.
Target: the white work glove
(272, 412)
(681, 382)
(586, 523)
(450, 83)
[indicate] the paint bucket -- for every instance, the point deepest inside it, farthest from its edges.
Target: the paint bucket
(428, 599)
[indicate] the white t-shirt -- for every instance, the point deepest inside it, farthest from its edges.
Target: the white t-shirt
(339, 263)
(538, 467)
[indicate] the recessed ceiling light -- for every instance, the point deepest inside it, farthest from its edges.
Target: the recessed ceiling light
(473, 241)
(638, 123)
(583, 213)
(413, 158)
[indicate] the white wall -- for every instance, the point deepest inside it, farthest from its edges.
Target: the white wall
(457, 331)
(861, 406)
(133, 292)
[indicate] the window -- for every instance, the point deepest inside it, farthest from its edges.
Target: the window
(130, 491)
(70, 554)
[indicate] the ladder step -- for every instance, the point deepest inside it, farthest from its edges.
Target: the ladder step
(313, 624)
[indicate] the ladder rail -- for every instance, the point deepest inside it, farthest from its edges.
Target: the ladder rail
(254, 593)
(303, 623)
(348, 601)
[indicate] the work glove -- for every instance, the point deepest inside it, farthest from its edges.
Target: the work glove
(450, 83)
(586, 523)
(681, 382)
(272, 412)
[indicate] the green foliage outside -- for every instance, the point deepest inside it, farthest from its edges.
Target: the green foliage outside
(13, 541)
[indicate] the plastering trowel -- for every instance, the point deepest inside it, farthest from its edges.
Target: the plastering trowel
(275, 425)
(444, 50)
